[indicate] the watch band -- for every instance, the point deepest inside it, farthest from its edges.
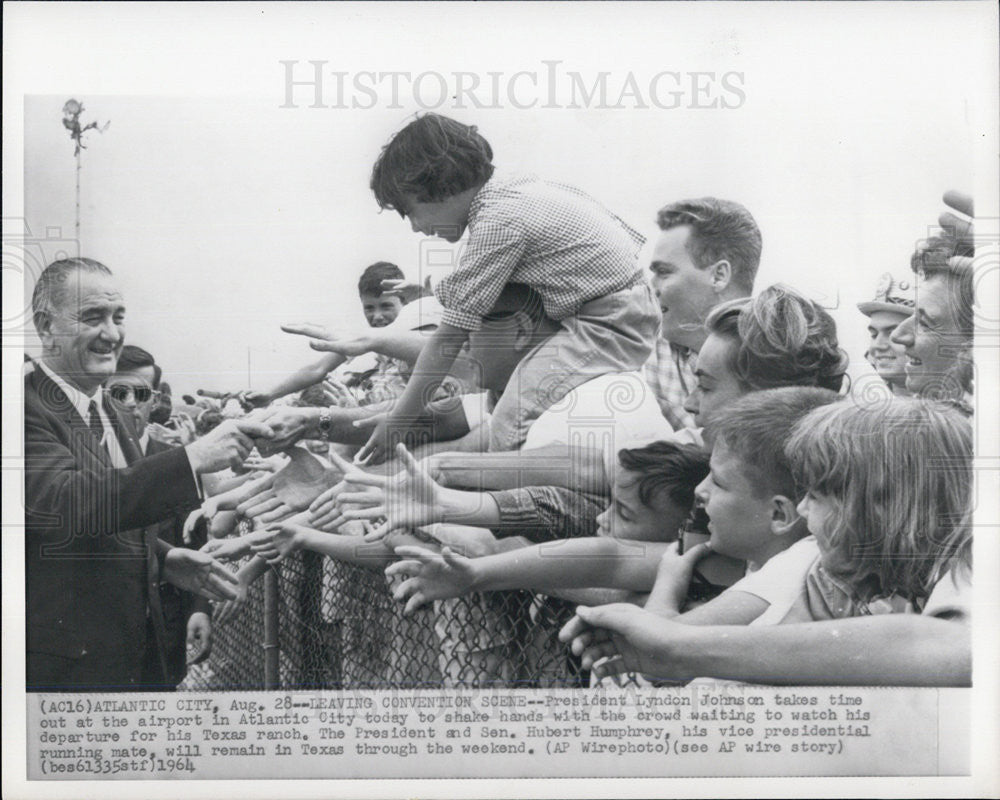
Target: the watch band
(325, 418)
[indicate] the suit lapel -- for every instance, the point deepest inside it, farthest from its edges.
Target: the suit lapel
(126, 437)
(55, 401)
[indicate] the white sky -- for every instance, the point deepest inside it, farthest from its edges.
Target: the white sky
(225, 215)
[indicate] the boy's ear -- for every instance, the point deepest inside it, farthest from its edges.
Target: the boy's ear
(722, 275)
(784, 517)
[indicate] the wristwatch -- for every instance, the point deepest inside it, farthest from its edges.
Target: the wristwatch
(325, 418)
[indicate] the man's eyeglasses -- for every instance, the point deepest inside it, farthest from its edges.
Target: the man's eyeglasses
(121, 392)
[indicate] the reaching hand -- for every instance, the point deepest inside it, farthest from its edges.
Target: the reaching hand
(199, 573)
(377, 448)
(274, 544)
(227, 445)
(673, 579)
(289, 424)
(338, 394)
(408, 499)
(304, 479)
(202, 512)
(404, 290)
(433, 576)
(199, 637)
(250, 399)
(322, 339)
(631, 638)
(230, 609)
(227, 549)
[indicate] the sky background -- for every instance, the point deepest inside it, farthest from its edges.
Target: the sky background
(225, 215)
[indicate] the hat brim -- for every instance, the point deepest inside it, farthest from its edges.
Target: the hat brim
(895, 308)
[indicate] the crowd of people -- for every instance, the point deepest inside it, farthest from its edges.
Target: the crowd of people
(671, 460)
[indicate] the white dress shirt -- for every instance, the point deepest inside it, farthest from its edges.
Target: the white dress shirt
(81, 403)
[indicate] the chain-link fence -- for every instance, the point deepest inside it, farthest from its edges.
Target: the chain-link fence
(315, 623)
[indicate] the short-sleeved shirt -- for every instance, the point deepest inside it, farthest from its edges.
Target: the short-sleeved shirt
(610, 412)
(670, 373)
(556, 239)
(781, 580)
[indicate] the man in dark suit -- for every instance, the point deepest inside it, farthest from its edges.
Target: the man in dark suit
(93, 564)
(135, 389)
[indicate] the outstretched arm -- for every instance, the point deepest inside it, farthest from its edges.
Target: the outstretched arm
(597, 561)
(578, 468)
(882, 650)
(302, 378)
(434, 363)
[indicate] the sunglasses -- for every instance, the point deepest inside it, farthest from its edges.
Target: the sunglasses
(121, 392)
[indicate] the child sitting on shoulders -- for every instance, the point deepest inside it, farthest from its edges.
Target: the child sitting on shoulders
(577, 255)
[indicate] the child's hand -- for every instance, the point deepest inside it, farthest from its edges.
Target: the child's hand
(408, 499)
(433, 576)
(227, 549)
(338, 394)
(199, 638)
(325, 514)
(376, 449)
(230, 609)
(325, 340)
(193, 519)
(274, 544)
(673, 578)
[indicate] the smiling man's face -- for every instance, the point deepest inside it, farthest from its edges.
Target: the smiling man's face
(85, 331)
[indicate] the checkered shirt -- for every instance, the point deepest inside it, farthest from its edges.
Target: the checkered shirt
(670, 373)
(554, 238)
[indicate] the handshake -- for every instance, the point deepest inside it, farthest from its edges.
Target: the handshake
(228, 445)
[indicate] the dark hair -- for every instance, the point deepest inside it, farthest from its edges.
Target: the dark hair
(313, 397)
(756, 427)
(721, 230)
(782, 339)
(50, 289)
(208, 420)
(931, 259)
(666, 467)
(514, 298)
(372, 277)
(133, 357)
(433, 158)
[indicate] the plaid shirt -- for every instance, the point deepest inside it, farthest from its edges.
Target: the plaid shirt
(554, 238)
(670, 373)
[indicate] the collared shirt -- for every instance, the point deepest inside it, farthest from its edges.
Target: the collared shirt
(556, 239)
(670, 373)
(81, 403)
(144, 442)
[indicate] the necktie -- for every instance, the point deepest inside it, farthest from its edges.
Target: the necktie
(95, 421)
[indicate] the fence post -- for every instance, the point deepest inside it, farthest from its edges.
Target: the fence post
(271, 651)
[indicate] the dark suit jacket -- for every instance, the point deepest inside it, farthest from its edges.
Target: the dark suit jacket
(88, 569)
(177, 605)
